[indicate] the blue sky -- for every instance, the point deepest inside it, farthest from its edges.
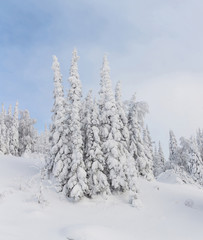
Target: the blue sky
(154, 47)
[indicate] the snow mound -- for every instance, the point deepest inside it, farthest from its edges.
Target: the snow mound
(176, 176)
(189, 203)
(169, 176)
(95, 232)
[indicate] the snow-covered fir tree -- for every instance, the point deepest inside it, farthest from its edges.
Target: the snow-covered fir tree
(191, 159)
(3, 136)
(8, 123)
(128, 163)
(27, 133)
(45, 141)
(38, 144)
(42, 145)
(125, 136)
(14, 132)
(159, 161)
(136, 145)
(94, 160)
(199, 137)
(148, 150)
(58, 145)
(86, 123)
(155, 160)
(110, 133)
(161, 154)
(173, 149)
(76, 186)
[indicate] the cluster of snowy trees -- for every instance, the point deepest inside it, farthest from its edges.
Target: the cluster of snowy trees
(98, 146)
(18, 135)
(187, 156)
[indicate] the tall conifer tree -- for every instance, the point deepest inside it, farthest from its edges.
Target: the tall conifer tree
(76, 186)
(57, 154)
(14, 139)
(110, 126)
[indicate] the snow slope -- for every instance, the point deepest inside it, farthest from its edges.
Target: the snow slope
(171, 210)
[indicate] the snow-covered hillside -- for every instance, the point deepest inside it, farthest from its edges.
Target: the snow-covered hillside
(170, 210)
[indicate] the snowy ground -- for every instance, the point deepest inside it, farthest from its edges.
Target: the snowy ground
(171, 210)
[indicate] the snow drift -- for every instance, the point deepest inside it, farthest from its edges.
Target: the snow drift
(170, 211)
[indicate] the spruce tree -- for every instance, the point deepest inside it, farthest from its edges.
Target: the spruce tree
(191, 159)
(159, 161)
(122, 116)
(26, 133)
(110, 133)
(148, 150)
(162, 158)
(128, 163)
(86, 123)
(199, 137)
(76, 186)
(8, 123)
(3, 136)
(136, 145)
(56, 159)
(14, 137)
(94, 160)
(173, 149)
(45, 141)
